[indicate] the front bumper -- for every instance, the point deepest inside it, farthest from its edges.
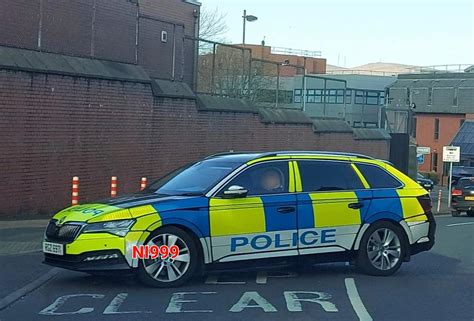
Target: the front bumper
(95, 252)
(110, 260)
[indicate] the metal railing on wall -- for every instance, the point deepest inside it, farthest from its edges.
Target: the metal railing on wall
(442, 68)
(231, 71)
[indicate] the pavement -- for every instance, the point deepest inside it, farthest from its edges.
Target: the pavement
(435, 285)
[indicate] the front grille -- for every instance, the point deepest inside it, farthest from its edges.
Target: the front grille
(63, 233)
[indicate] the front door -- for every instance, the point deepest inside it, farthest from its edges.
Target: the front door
(260, 225)
(331, 202)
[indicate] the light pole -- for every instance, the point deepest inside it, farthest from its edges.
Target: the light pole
(246, 18)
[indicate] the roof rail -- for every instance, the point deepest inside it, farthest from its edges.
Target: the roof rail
(234, 153)
(281, 153)
(322, 153)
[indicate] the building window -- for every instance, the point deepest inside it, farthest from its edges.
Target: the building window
(434, 162)
(436, 128)
(360, 97)
(297, 96)
(340, 96)
(310, 95)
(408, 97)
(414, 127)
(455, 98)
(331, 96)
(319, 96)
(382, 98)
(461, 121)
(372, 98)
(348, 96)
(430, 96)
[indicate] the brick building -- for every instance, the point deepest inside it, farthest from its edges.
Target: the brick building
(310, 60)
(440, 103)
(90, 88)
(148, 33)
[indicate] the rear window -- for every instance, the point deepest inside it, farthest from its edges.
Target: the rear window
(317, 176)
(378, 177)
(463, 183)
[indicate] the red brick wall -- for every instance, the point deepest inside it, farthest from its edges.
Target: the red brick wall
(56, 127)
(449, 125)
(105, 29)
(67, 27)
(170, 10)
(16, 13)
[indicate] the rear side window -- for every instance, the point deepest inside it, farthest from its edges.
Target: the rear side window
(318, 176)
(377, 177)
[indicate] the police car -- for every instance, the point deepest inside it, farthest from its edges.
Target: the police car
(248, 207)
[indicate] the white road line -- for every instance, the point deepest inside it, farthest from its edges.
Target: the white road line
(356, 301)
(458, 224)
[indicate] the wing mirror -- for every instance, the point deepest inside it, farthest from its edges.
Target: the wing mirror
(235, 191)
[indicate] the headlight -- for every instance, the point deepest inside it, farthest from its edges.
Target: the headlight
(119, 228)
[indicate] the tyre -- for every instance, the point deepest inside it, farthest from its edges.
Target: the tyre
(470, 213)
(455, 213)
(382, 249)
(168, 272)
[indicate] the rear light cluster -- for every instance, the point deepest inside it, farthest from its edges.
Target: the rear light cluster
(425, 202)
(456, 192)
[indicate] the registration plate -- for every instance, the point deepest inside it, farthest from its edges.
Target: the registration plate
(469, 198)
(53, 248)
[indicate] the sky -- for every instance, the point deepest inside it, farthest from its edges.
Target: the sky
(355, 32)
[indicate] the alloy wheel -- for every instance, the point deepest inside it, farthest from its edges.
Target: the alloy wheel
(384, 249)
(168, 269)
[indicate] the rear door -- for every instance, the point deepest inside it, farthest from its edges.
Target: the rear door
(261, 225)
(332, 199)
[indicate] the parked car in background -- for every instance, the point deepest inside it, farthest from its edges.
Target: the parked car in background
(425, 182)
(463, 197)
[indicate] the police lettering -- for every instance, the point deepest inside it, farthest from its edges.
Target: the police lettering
(265, 241)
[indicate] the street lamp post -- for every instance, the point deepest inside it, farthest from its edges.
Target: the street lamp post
(249, 18)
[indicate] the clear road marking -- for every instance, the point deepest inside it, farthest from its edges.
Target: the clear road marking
(247, 297)
(114, 305)
(177, 301)
(356, 301)
(293, 301)
(458, 224)
(52, 308)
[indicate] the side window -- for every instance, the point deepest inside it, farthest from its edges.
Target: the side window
(377, 177)
(319, 176)
(263, 179)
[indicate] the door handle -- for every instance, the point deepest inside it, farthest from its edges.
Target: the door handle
(286, 209)
(355, 206)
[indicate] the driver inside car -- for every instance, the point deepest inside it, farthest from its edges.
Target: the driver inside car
(271, 181)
